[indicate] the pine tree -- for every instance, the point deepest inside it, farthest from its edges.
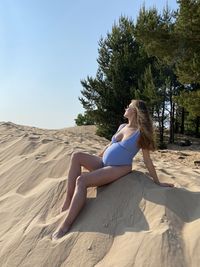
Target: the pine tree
(173, 37)
(121, 62)
(84, 119)
(187, 28)
(185, 99)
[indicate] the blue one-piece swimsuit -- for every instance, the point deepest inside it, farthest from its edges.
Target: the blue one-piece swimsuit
(121, 152)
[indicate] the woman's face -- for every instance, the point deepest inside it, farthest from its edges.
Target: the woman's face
(130, 112)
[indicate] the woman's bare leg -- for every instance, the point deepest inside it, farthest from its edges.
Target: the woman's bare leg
(99, 177)
(74, 172)
(78, 159)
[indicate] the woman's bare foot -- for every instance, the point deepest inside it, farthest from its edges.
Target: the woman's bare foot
(60, 232)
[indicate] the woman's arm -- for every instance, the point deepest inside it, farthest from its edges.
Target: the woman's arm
(149, 164)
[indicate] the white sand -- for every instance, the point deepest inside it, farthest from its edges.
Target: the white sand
(130, 222)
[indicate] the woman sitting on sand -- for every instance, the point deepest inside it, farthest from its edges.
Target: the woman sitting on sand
(113, 162)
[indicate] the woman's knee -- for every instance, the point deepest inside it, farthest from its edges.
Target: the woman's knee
(81, 181)
(76, 155)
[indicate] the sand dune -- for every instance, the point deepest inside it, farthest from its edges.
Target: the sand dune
(130, 222)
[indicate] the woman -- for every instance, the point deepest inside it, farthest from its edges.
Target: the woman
(113, 162)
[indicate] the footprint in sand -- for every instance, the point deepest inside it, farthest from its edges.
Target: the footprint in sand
(47, 140)
(41, 155)
(33, 137)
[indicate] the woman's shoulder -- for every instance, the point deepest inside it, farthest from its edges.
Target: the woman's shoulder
(122, 125)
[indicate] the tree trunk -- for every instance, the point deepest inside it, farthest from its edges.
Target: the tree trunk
(160, 119)
(171, 130)
(177, 124)
(162, 123)
(182, 120)
(197, 126)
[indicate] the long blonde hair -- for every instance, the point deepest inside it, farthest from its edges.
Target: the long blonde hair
(145, 125)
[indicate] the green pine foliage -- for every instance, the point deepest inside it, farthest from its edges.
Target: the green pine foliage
(156, 60)
(187, 27)
(84, 119)
(173, 37)
(186, 97)
(184, 100)
(121, 62)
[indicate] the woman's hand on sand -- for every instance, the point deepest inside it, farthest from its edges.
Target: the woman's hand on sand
(165, 184)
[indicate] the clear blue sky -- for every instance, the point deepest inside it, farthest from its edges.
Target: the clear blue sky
(46, 48)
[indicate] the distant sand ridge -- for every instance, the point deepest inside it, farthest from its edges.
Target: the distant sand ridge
(130, 222)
